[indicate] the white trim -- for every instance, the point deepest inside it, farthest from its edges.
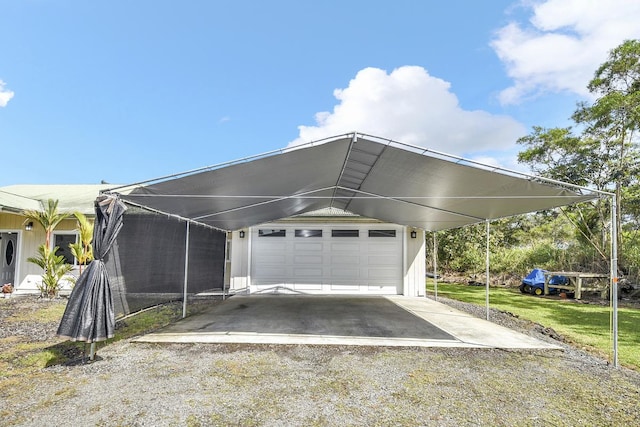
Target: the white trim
(405, 253)
(249, 238)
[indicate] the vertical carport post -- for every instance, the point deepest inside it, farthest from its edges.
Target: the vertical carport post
(487, 272)
(435, 267)
(224, 270)
(186, 272)
(613, 280)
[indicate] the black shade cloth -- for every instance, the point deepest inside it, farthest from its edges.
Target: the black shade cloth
(89, 315)
(146, 263)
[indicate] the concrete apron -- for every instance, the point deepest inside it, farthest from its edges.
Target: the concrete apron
(341, 320)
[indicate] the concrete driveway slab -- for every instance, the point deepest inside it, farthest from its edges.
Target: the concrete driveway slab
(340, 320)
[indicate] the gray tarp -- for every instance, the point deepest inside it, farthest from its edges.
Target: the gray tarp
(365, 175)
(89, 314)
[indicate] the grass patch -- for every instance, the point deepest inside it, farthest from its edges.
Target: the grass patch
(43, 314)
(147, 321)
(587, 325)
(22, 357)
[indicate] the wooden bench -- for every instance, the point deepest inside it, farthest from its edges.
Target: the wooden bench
(576, 282)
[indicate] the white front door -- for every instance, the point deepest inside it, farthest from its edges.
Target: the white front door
(9, 255)
(327, 259)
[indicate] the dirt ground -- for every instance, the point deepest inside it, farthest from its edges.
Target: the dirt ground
(247, 385)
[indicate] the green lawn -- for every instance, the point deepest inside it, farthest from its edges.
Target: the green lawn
(586, 325)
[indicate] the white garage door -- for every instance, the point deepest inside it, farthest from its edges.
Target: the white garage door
(325, 259)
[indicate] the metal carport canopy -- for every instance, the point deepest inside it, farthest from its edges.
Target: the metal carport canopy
(363, 174)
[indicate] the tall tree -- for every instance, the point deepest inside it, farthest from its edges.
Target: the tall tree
(559, 154)
(614, 117)
(49, 218)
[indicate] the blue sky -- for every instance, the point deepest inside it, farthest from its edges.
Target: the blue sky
(124, 91)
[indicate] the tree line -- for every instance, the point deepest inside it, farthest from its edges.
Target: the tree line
(600, 151)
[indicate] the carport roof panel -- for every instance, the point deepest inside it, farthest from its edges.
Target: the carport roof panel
(368, 176)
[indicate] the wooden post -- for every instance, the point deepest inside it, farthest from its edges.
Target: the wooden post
(578, 287)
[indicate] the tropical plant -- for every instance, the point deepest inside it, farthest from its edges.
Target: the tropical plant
(54, 265)
(55, 268)
(49, 218)
(82, 249)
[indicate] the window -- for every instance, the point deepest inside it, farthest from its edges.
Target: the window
(345, 233)
(62, 241)
(308, 233)
(382, 233)
(271, 233)
(8, 256)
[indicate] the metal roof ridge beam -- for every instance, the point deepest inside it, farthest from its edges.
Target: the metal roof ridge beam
(377, 156)
(344, 166)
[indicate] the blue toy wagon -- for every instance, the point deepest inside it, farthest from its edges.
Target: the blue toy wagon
(533, 283)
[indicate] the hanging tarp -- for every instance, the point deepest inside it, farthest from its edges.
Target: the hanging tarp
(89, 315)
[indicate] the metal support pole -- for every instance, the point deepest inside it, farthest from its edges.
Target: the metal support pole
(435, 266)
(92, 351)
(186, 273)
(224, 271)
(487, 272)
(613, 283)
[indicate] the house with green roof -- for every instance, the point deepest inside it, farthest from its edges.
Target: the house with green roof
(19, 239)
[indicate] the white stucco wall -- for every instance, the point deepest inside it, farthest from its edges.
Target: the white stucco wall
(415, 267)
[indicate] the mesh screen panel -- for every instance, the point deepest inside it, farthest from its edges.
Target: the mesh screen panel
(146, 263)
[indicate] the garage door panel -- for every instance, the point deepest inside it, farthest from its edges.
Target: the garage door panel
(382, 245)
(383, 260)
(345, 273)
(329, 264)
(381, 273)
(305, 246)
(307, 272)
(269, 271)
(344, 247)
(386, 289)
(273, 258)
(307, 286)
(343, 287)
(345, 260)
(274, 243)
(308, 259)
(271, 284)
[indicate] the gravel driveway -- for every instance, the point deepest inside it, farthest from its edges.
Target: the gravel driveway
(202, 385)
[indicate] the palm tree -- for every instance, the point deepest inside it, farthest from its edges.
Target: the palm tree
(82, 250)
(53, 265)
(48, 218)
(54, 270)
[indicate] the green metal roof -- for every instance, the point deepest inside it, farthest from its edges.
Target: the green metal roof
(71, 197)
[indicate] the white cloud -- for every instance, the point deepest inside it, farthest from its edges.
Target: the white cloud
(5, 95)
(411, 106)
(562, 45)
